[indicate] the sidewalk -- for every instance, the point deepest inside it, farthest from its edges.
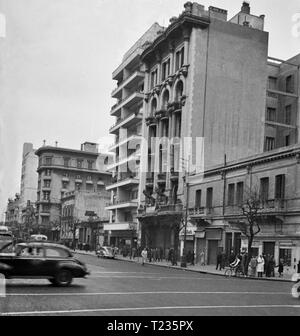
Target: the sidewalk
(208, 269)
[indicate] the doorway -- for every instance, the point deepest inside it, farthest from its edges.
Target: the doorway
(269, 248)
(212, 252)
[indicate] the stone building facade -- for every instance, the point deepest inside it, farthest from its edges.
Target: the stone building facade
(63, 170)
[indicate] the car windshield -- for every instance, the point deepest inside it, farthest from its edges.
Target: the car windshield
(7, 248)
(109, 249)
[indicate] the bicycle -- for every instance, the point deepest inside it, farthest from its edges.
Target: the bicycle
(233, 272)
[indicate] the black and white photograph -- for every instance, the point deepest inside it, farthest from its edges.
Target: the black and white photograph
(149, 161)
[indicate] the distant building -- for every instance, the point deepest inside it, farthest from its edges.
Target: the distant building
(62, 170)
(29, 177)
(13, 214)
(83, 218)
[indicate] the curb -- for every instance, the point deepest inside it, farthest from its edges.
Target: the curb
(204, 272)
(190, 270)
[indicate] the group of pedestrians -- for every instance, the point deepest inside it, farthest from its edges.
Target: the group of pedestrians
(262, 265)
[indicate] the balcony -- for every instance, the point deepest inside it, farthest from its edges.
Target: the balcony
(128, 180)
(127, 102)
(133, 157)
(65, 179)
(150, 180)
(174, 176)
(79, 181)
(122, 204)
(162, 114)
(122, 226)
(161, 178)
(135, 137)
(90, 182)
(129, 83)
(151, 120)
(161, 210)
(200, 212)
(132, 119)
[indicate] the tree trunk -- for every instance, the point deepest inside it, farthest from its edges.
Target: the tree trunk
(250, 241)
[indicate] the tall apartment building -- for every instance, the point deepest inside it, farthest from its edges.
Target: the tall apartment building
(63, 170)
(127, 130)
(29, 177)
(13, 214)
(206, 78)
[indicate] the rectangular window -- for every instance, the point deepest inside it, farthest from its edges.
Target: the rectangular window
(209, 198)
(47, 184)
(286, 255)
(264, 189)
(240, 193)
(181, 57)
(153, 79)
(48, 172)
(66, 162)
(270, 143)
(231, 188)
(90, 165)
(198, 199)
(271, 114)
(165, 70)
(287, 140)
(46, 195)
(279, 186)
(272, 83)
(177, 60)
(288, 114)
(79, 164)
(48, 161)
(289, 84)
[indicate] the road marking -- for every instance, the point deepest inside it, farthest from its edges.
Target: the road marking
(77, 311)
(145, 277)
(145, 293)
(123, 273)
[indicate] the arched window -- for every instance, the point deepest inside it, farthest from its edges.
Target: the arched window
(153, 106)
(165, 100)
(178, 91)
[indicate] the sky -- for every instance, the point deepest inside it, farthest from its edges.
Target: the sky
(57, 59)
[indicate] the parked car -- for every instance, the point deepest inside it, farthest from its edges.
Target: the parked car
(41, 260)
(105, 252)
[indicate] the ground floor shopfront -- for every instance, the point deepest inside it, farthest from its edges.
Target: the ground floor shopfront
(161, 231)
(223, 236)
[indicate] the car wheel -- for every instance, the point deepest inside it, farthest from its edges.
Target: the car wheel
(63, 278)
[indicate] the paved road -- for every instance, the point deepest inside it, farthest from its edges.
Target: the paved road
(120, 288)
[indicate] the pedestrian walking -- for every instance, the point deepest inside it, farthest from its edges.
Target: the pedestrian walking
(202, 258)
(193, 258)
(144, 256)
(272, 265)
(219, 260)
(223, 260)
(260, 266)
(298, 267)
(253, 265)
(280, 267)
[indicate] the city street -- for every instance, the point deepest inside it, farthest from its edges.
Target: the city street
(120, 288)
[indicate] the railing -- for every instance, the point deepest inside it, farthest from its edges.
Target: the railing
(121, 101)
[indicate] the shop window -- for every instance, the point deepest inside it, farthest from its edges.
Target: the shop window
(286, 255)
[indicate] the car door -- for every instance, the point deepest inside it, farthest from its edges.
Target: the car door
(29, 262)
(54, 256)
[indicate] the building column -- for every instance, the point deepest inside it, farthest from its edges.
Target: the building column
(186, 38)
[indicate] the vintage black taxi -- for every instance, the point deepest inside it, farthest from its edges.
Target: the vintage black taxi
(41, 260)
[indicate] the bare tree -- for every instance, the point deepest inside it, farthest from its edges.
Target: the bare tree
(251, 208)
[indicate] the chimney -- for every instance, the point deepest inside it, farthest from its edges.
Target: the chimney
(44, 143)
(56, 143)
(246, 7)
